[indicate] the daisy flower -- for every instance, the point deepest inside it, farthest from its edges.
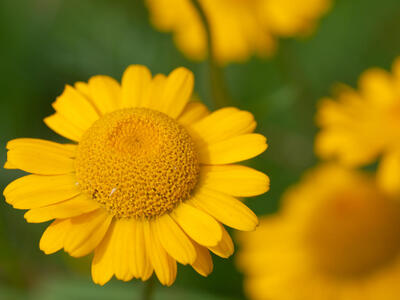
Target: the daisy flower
(239, 28)
(337, 237)
(360, 126)
(147, 181)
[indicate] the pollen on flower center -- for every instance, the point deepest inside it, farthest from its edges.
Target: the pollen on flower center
(137, 163)
(355, 233)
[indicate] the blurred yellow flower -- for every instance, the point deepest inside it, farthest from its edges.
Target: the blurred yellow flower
(147, 180)
(360, 126)
(239, 28)
(337, 237)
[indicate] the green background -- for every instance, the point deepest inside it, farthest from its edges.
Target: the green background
(45, 44)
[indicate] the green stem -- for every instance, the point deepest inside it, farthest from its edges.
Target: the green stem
(149, 288)
(217, 81)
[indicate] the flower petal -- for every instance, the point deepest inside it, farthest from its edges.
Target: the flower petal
(34, 191)
(234, 180)
(225, 209)
(86, 232)
(67, 150)
(194, 111)
(147, 272)
(103, 260)
(232, 150)
(76, 206)
(155, 90)
(60, 125)
(197, 224)
(75, 108)
(223, 124)
(396, 69)
(174, 240)
(113, 255)
(177, 91)
(124, 248)
(9, 165)
(141, 262)
(388, 174)
(105, 93)
(164, 266)
(83, 88)
(203, 264)
(53, 237)
(377, 85)
(135, 82)
(40, 156)
(225, 247)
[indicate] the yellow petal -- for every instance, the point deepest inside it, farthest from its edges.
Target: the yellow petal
(67, 150)
(388, 174)
(154, 92)
(225, 247)
(203, 263)
(223, 124)
(75, 108)
(34, 191)
(141, 265)
(234, 180)
(129, 249)
(396, 69)
(40, 156)
(83, 88)
(110, 256)
(377, 85)
(225, 209)
(103, 260)
(135, 82)
(86, 232)
(53, 237)
(164, 266)
(124, 248)
(174, 240)
(177, 91)
(148, 271)
(349, 149)
(9, 165)
(76, 206)
(234, 149)
(105, 92)
(197, 224)
(60, 125)
(194, 111)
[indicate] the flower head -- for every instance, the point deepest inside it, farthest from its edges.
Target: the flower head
(147, 180)
(239, 28)
(362, 125)
(337, 237)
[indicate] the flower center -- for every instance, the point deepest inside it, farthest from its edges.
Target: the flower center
(137, 163)
(355, 233)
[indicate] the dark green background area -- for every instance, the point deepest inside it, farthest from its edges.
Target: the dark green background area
(45, 44)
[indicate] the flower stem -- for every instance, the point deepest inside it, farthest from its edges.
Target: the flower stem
(217, 81)
(149, 288)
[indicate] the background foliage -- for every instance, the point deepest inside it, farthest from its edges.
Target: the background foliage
(48, 43)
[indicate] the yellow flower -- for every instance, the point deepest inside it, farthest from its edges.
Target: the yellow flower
(239, 28)
(338, 237)
(360, 126)
(147, 181)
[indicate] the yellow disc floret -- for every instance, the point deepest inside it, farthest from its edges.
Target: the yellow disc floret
(355, 232)
(137, 163)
